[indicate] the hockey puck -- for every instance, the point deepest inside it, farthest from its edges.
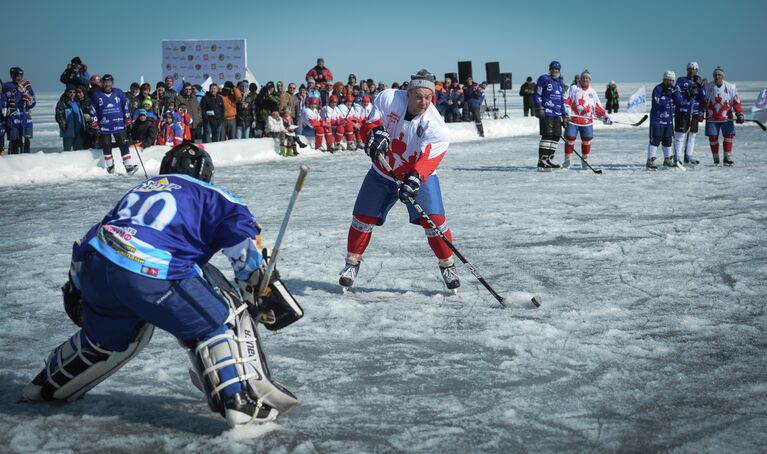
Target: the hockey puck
(536, 300)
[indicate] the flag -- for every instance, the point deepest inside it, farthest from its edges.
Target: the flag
(638, 101)
(142, 80)
(205, 85)
(761, 101)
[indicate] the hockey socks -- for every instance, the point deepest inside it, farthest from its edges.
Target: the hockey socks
(360, 233)
(440, 248)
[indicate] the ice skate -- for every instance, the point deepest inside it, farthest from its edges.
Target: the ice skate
(584, 164)
(566, 163)
(111, 169)
(691, 161)
(450, 276)
(651, 164)
(716, 159)
(728, 162)
(241, 409)
(131, 169)
(668, 162)
(348, 275)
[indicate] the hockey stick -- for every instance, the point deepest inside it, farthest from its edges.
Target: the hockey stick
(759, 123)
(644, 118)
(597, 171)
(302, 173)
(138, 153)
(536, 300)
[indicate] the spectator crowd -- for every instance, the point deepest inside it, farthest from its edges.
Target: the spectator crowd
(172, 110)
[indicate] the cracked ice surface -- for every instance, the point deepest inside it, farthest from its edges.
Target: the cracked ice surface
(651, 335)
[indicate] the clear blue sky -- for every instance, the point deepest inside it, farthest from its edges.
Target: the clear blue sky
(390, 39)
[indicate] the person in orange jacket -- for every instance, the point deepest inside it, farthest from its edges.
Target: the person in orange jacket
(231, 95)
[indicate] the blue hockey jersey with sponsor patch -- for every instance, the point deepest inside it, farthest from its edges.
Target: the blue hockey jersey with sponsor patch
(110, 110)
(170, 225)
(550, 94)
(683, 99)
(662, 111)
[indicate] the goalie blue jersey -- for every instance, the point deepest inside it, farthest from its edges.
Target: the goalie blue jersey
(170, 225)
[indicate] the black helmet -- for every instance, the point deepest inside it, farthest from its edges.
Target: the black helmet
(16, 71)
(188, 159)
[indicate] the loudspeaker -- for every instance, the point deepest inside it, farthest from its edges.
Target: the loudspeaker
(464, 71)
(452, 76)
(493, 72)
(505, 81)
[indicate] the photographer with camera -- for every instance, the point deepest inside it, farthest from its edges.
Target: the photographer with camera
(76, 74)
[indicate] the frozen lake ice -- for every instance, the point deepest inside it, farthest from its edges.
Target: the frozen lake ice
(651, 336)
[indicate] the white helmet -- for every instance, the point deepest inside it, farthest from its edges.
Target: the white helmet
(692, 65)
(670, 75)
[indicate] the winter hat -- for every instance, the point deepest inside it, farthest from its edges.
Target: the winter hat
(586, 73)
(147, 102)
(169, 78)
(159, 84)
(310, 80)
(77, 61)
(253, 86)
(669, 75)
(719, 70)
(141, 112)
(422, 79)
(71, 87)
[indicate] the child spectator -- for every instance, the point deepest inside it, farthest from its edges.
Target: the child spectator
(144, 132)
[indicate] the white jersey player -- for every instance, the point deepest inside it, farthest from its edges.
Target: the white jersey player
(405, 130)
(719, 104)
(582, 105)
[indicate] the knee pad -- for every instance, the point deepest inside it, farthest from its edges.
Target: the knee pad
(79, 364)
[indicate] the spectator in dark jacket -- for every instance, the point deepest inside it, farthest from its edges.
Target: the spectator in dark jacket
(212, 107)
(454, 103)
(144, 131)
(134, 97)
(71, 120)
(188, 98)
(473, 95)
(90, 136)
(611, 97)
(267, 102)
(527, 92)
(442, 94)
(246, 121)
(76, 74)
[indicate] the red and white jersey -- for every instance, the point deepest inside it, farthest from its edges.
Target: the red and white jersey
(583, 102)
(331, 114)
(346, 115)
(721, 101)
(310, 118)
(418, 144)
(363, 112)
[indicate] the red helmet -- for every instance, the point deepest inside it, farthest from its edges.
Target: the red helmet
(314, 100)
(366, 98)
(95, 79)
(349, 98)
(333, 98)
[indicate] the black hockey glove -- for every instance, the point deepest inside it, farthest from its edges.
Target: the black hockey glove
(408, 190)
(668, 91)
(565, 120)
(378, 143)
(539, 112)
(73, 304)
(739, 118)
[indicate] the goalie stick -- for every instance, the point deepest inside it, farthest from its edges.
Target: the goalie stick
(303, 172)
(536, 300)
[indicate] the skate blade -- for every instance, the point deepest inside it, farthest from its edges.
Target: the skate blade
(344, 290)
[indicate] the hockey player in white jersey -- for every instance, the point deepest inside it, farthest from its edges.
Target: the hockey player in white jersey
(405, 130)
(720, 102)
(582, 105)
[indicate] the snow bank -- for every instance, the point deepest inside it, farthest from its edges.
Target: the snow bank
(45, 168)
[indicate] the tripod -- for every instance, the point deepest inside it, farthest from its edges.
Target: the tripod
(503, 93)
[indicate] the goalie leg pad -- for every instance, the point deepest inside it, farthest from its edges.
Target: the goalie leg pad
(79, 364)
(232, 368)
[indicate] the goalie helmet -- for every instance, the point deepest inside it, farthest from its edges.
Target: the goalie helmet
(188, 159)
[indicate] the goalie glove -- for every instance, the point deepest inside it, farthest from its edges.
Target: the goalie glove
(249, 288)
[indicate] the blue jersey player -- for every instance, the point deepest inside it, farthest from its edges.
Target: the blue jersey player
(140, 267)
(549, 100)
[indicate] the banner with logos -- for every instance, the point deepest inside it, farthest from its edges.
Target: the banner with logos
(638, 101)
(196, 60)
